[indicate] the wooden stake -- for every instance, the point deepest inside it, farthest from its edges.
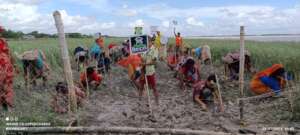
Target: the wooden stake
(220, 95)
(218, 86)
(269, 94)
(148, 94)
(241, 71)
(122, 130)
(66, 61)
(226, 71)
(87, 82)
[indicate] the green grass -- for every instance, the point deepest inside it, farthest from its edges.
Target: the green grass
(263, 54)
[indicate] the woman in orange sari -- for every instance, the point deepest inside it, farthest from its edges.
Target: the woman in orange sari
(269, 80)
(6, 74)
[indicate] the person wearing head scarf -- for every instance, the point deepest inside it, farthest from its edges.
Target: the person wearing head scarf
(189, 73)
(34, 66)
(81, 57)
(205, 91)
(90, 77)
(271, 79)
(232, 63)
(133, 64)
(6, 74)
(59, 102)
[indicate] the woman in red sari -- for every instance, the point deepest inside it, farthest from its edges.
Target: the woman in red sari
(6, 74)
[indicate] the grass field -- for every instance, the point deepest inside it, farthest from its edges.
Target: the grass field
(263, 54)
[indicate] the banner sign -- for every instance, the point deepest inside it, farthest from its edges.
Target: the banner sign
(138, 30)
(138, 44)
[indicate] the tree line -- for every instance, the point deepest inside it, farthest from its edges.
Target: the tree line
(35, 34)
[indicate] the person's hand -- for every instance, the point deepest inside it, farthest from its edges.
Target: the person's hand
(144, 64)
(204, 107)
(182, 86)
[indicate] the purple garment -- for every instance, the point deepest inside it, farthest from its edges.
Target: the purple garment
(198, 88)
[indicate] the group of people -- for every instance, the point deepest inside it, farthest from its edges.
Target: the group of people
(94, 63)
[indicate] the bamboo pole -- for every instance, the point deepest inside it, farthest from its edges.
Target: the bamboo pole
(226, 71)
(87, 82)
(218, 87)
(219, 94)
(66, 61)
(269, 94)
(148, 94)
(123, 130)
(241, 71)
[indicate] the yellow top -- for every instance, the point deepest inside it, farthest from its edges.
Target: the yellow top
(157, 41)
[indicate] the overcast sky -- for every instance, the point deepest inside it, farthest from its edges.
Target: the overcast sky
(118, 17)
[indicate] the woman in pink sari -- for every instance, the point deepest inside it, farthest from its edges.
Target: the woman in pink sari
(6, 74)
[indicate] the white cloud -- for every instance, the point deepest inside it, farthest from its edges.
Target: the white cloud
(27, 2)
(137, 23)
(192, 21)
(125, 11)
(124, 6)
(108, 25)
(166, 24)
(226, 19)
(93, 3)
(25, 15)
(27, 18)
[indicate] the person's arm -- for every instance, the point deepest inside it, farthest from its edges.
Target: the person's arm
(81, 82)
(198, 73)
(44, 60)
(81, 85)
(200, 102)
(13, 62)
(181, 81)
(175, 32)
(56, 107)
(43, 55)
(152, 62)
(53, 103)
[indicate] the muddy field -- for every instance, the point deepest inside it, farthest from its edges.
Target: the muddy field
(116, 103)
